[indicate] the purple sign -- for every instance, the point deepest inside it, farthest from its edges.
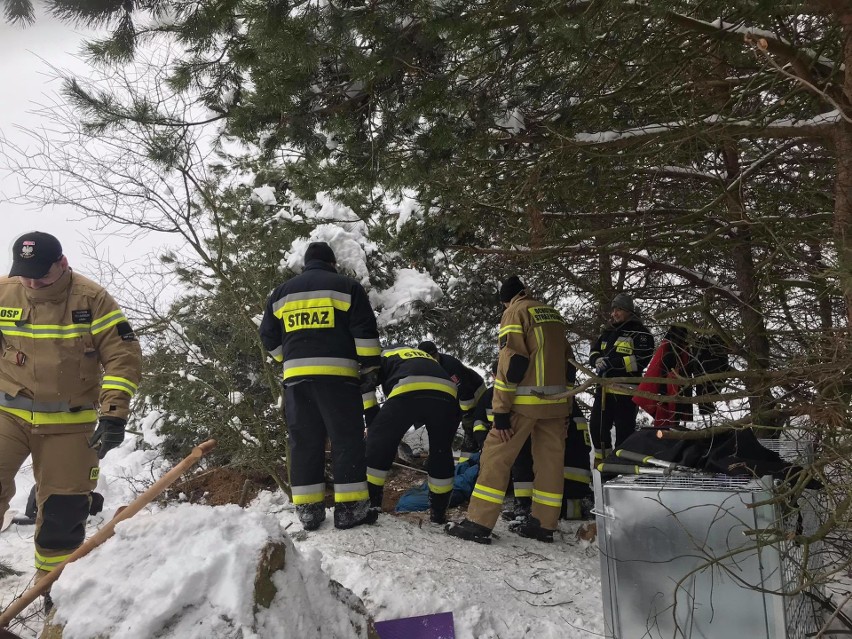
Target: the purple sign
(437, 626)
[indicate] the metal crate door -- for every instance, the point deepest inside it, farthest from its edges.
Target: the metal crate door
(677, 563)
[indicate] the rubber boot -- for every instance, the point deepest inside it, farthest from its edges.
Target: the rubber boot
(438, 503)
(377, 494)
(348, 514)
(531, 528)
(469, 531)
(311, 515)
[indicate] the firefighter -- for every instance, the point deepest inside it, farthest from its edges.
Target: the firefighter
(534, 360)
(69, 365)
(471, 387)
(623, 350)
(418, 391)
(320, 325)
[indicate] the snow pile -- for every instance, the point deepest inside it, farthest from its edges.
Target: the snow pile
(350, 248)
(396, 303)
(189, 571)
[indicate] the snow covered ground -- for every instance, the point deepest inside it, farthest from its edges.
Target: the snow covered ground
(399, 567)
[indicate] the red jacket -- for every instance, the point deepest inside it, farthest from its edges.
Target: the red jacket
(665, 413)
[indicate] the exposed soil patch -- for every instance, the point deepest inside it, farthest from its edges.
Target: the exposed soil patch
(219, 486)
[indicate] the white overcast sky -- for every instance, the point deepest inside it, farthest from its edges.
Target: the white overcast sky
(25, 82)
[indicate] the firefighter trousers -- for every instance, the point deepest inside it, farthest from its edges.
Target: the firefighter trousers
(316, 409)
(66, 472)
(576, 471)
(398, 414)
(611, 410)
(548, 449)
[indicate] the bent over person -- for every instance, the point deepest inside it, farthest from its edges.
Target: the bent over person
(321, 326)
(418, 391)
(69, 366)
(534, 358)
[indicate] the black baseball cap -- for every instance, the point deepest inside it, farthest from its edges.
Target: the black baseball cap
(33, 254)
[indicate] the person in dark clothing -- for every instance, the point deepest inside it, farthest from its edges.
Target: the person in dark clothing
(419, 392)
(321, 326)
(471, 387)
(623, 350)
(483, 415)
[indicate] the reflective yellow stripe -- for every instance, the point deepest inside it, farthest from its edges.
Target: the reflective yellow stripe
(366, 351)
(577, 477)
(308, 498)
(462, 458)
(45, 419)
(369, 400)
(539, 356)
(107, 321)
(44, 331)
(488, 494)
(547, 499)
(340, 371)
(479, 427)
(506, 387)
(511, 328)
(119, 383)
(48, 563)
(376, 481)
(440, 486)
(532, 400)
(399, 389)
(315, 302)
(356, 495)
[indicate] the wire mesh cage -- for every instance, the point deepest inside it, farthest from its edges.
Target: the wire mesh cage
(691, 556)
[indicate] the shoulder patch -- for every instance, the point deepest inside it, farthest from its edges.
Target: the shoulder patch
(125, 332)
(83, 316)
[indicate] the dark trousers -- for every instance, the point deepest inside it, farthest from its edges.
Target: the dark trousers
(398, 414)
(611, 409)
(317, 409)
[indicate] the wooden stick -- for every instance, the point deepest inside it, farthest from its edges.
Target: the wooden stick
(43, 584)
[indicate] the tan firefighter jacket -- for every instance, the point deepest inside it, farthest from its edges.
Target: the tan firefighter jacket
(67, 354)
(537, 332)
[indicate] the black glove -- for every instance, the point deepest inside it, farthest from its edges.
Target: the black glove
(108, 435)
(501, 421)
(479, 437)
(369, 380)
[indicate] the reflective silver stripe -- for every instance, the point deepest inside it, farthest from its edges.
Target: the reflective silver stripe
(350, 488)
(312, 295)
(523, 485)
(308, 490)
(440, 482)
(368, 343)
(337, 362)
(422, 382)
(375, 472)
(573, 470)
(545, 390)
(277, 352)
(546, 499)
(581, 424)
(27, 404)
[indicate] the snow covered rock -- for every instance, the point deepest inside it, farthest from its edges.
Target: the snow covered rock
(194, 571)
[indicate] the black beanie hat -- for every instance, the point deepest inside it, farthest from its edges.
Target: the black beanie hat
(320, 251)
(428, 347)
(624, 302)
(510, 288)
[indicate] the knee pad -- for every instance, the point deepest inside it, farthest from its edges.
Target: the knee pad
(63, 522)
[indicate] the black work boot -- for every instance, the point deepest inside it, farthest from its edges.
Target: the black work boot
(521, 509)
(377, 494)
(531, 529)
(469, 531)
(48, 602)
(348, 514)
(438, 503)
(311, 515)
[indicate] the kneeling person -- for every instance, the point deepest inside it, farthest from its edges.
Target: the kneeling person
(418, 392)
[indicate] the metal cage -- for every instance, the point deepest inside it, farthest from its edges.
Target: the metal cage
(688, 556)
